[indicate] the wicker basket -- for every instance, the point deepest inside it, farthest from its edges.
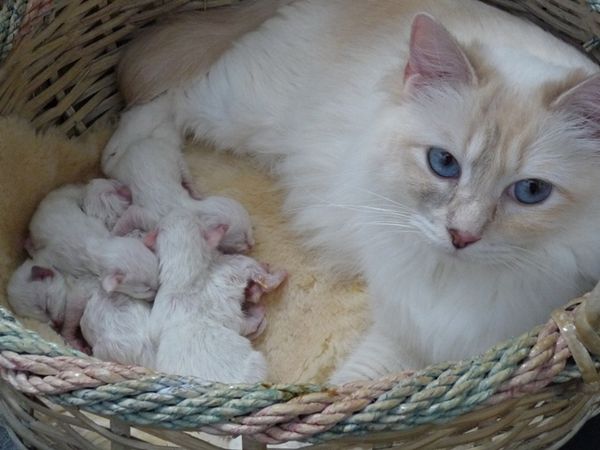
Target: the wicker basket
(531, 392)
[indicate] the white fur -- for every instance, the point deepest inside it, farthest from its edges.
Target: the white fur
(43, 300)
(306, 94)
(78, 244)
(105, 200)
(197, 315)
(154, 169)
(48, 300)
(116, 326)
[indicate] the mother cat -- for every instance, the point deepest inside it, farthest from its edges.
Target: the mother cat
(446, 150)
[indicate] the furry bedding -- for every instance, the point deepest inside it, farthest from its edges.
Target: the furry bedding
(313, 320)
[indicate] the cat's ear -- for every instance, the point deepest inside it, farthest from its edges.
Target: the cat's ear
(111, 282)
(435, 56)
(583, 101)
(215, 235)
(124, 193)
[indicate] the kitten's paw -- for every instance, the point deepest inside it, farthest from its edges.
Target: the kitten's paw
(264, 282)
(270, 280)
(255, 320)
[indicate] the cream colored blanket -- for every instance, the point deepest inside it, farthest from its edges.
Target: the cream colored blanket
(313, 320)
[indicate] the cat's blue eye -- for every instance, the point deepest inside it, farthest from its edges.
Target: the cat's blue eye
(442, 163)
(531, 191)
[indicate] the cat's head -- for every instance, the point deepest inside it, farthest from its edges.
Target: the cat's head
(480, 167)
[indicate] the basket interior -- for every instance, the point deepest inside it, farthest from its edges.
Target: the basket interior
(60, 76)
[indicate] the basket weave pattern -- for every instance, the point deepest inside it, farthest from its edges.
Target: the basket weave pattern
(58, 70)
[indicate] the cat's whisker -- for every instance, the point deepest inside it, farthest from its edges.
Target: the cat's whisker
(389, 224)
(351, 207)
(527, 258)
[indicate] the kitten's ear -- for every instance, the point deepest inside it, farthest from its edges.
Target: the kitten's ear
(125, 193)
(214, 235)
(150, 239)
(39, 273)
(111, 282)
(583, 101)
(435, 56)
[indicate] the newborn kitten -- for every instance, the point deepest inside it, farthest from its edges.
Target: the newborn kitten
(37, 291)
(197, 318)
(152, 168)
(106, 200)
(78, 244)
(453, 162)
(115, 325)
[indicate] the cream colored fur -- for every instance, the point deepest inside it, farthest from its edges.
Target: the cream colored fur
(186, 48)
(312, 320)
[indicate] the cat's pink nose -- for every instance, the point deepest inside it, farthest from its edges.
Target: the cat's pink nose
(461, 239)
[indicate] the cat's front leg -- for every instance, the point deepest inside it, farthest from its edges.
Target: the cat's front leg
(376, 356)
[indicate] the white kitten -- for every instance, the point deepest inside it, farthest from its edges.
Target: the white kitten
(78, 244)
(37, 291)
(197, 318)
(153, 169)
(106, 200)
(456, 170)
(115, 325)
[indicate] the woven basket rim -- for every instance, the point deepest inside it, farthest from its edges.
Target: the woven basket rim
(527, 366)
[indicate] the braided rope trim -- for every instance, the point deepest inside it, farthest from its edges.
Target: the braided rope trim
(20, 17)
(11, 15)
(279, 413)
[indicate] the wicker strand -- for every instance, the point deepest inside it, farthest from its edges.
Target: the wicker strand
(278, 413)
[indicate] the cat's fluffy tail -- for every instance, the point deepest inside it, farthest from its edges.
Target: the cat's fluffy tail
(185, 46)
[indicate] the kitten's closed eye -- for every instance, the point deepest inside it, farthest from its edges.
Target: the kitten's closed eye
(443, 163)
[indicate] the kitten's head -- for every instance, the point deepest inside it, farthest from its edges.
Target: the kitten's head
(184, 244)
(106, 200)
(215, 210)
(485, 169)
(38, 291)
(129, 267)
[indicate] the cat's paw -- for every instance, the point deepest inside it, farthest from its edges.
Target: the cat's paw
(351, 374)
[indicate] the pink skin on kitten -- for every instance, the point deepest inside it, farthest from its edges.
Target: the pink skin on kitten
(80, 244)
(158, 176)
(201, 298)
(40, 292)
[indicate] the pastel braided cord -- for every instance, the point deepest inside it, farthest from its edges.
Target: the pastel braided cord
(18, 17)
(279, 413)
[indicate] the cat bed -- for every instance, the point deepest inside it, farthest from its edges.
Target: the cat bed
(533, 391)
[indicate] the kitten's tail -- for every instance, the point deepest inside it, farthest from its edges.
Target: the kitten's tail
(185, 46)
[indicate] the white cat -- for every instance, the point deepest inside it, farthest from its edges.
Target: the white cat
(106, 200)
(116, 326)
(197, 321)
(78, 244)
(38, 291)
(157, 175)
(450, 157)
